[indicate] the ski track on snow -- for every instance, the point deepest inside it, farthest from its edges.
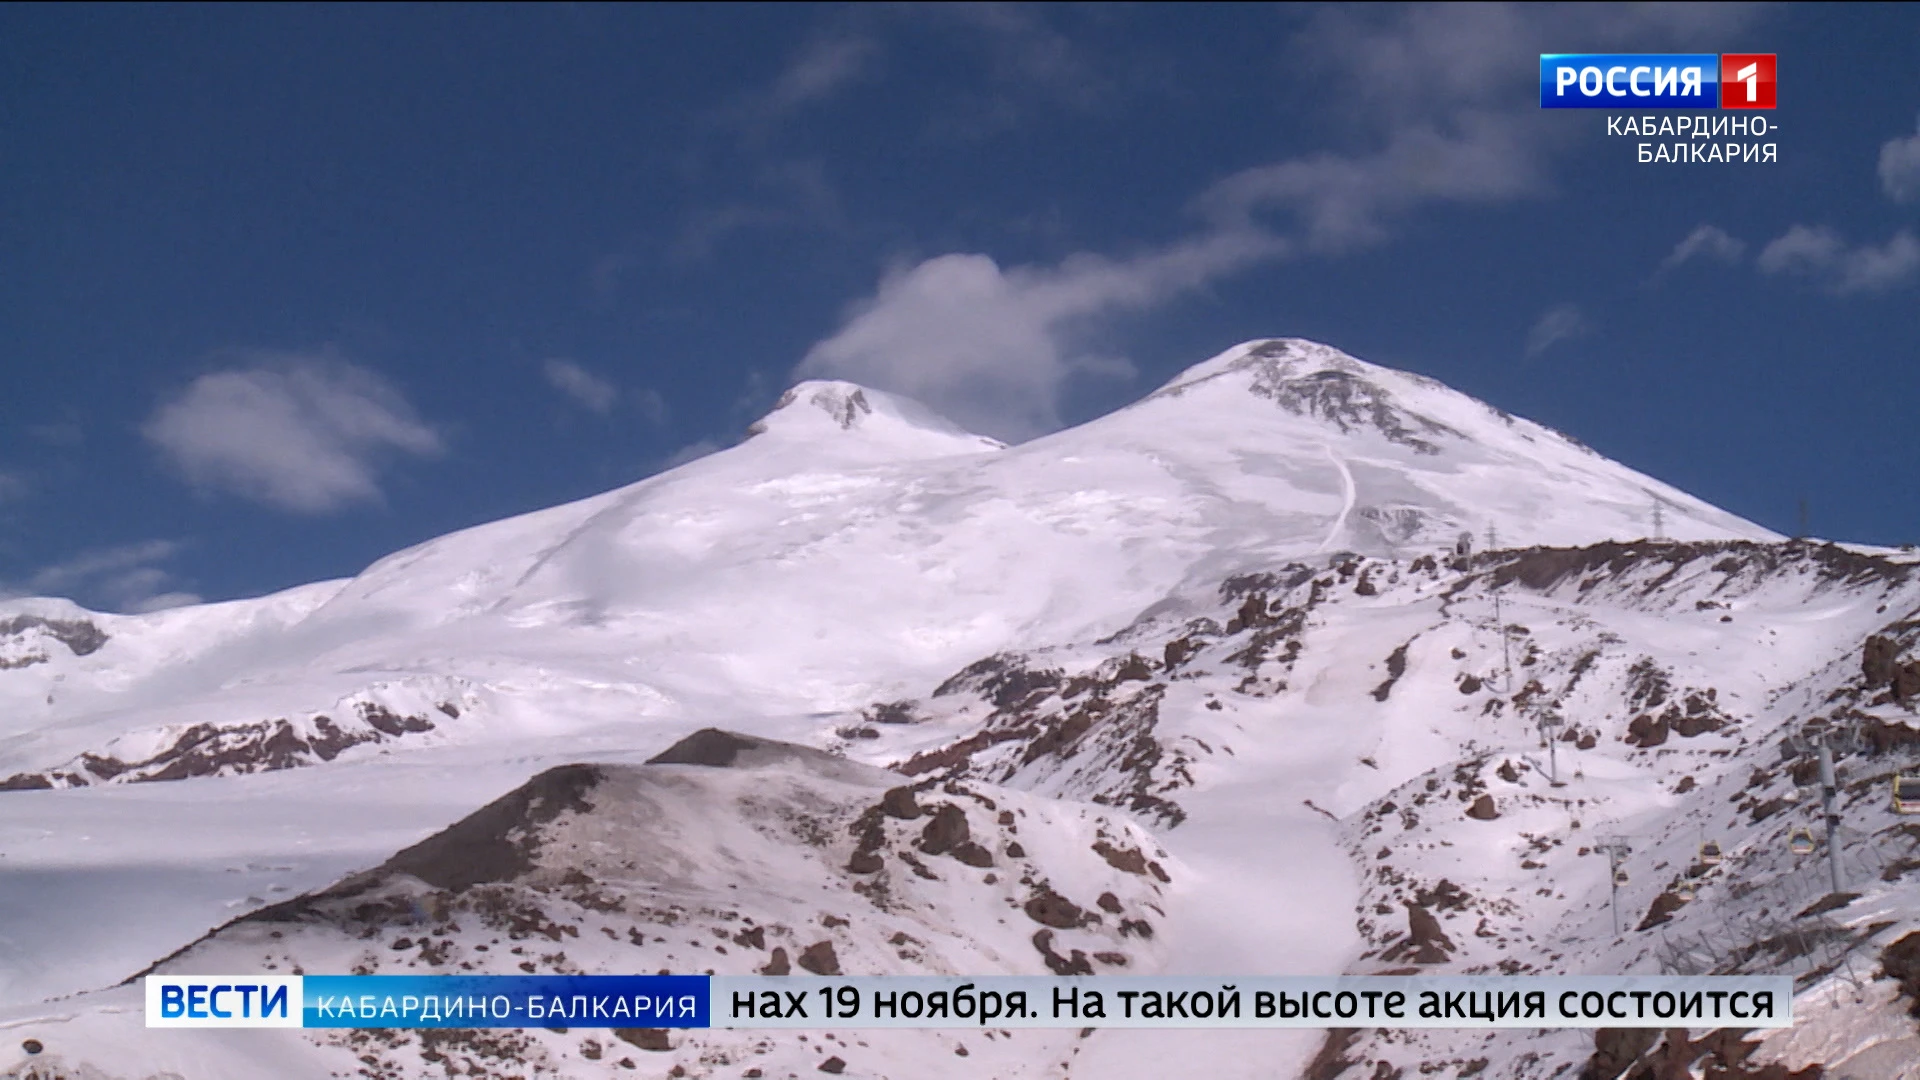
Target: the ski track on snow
(1348, 496)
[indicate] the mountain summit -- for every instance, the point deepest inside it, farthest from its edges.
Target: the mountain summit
(823, 408)
(1199, 687)
(858, 544)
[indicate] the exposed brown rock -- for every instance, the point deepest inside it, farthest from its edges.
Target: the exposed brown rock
(1178, 651)
(1483, 809)
(1880, 661)
(946, 831)
(1901, 963)
(1332, 1059)
(1646, 731)
(1662, 910)
(654, 1039)
(1425, 943)
(1396, 667)
(1074, 964)
(1615, 1050)
(819, 958)
(972, 854)
(1049, 908)
(898, 803)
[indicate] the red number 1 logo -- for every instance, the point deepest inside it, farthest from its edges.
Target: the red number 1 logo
(1747, 80)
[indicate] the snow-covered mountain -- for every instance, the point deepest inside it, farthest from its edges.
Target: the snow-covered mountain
(1231, 612)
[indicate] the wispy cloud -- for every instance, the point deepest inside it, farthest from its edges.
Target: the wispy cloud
(1342, 201)
(300, 432)
(651, 405)
(693, 451)
(787, 194)
(1900, 168)
(1436, 87)
(1559, 323)
(13, 486)
(824, 67)
(992, 348)
(121, 577)
(1439, 109)
(1709, 242)
(1819, 253)
(586, 389)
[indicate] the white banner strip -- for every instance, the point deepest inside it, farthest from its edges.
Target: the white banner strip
(1519, 1001)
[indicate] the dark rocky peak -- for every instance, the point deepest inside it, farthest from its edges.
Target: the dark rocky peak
(1320, 382)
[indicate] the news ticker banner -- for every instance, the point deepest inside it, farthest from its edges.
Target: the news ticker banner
(721, 1001)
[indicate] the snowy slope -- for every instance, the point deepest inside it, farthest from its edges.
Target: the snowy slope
(857, 547)
(727, 854)
(1229, 614)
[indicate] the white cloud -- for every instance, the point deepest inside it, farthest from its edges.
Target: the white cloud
(588, 390)
(1821, 254)
(164, 601)
(991, 347)
(824, 67)
(1900, 168)
(1708, 242)
(1437, 87)
(301, 433)
(651, 405)
(1343, 201)
(123, 577)
(1441, 111)
(1559, 323)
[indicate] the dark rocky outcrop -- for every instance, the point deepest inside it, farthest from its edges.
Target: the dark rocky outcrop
(946, 831)
(820, 958)
(1049, 908)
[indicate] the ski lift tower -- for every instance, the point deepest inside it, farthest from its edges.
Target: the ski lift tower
(1549, 722)
(1616, 849)
(1821, 744)
(1828, 789)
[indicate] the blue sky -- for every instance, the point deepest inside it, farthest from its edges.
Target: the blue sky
(284, 289)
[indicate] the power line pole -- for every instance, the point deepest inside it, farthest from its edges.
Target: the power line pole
(1659, 521)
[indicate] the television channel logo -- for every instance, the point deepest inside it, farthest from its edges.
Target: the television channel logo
(1657, 80)
(1747, 80)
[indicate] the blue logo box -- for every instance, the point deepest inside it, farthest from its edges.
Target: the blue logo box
(1629, 80)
